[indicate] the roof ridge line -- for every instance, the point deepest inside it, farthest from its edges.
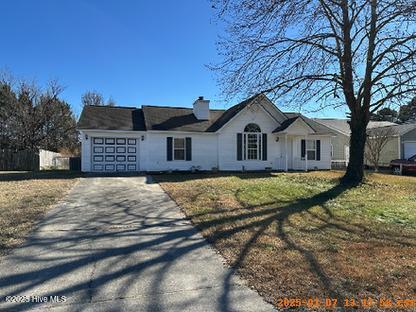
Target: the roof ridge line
(109, 106)
(180, 107)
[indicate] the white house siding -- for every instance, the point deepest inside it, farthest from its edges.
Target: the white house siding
(218, 150)
(86, 144)
(324, 163)
(204, 151)
(227, 141)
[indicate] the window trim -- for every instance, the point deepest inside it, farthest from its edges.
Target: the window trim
(315, 149)
(182, 148)
(259, 147)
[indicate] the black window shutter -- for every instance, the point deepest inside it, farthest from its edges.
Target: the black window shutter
(318, 149)
(264, 147)
(239, 146)
(188, 146)
(169, 148)
(302, 148)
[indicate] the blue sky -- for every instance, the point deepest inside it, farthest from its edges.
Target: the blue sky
(138, 52)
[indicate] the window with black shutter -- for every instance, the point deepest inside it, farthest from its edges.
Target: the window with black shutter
(311, 149)
(169, 148)
(264, 147)
(188, 145)
(252, 144)
(239, 146)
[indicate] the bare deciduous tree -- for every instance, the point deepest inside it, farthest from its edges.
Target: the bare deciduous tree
(92, 98)
(322, 52)
(95, 98)
(376, 141)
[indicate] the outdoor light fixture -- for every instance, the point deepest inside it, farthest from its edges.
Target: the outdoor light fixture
(86, 137)
(142, 137)
(277, 139)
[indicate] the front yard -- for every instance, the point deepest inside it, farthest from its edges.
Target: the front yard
(24, 198)
(301, 235)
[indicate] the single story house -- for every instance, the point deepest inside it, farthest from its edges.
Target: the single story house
(401, 145)
(252, 135)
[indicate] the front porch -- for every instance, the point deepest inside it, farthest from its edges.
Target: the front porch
(303, 152)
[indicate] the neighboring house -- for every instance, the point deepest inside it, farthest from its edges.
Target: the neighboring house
(402, 143)
(252, 135)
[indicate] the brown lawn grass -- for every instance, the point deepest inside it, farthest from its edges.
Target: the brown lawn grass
(24, 198)
(301, 235)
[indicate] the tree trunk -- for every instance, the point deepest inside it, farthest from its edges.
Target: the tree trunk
(355, 170)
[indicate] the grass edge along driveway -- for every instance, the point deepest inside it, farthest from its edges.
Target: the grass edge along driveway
(24, 198)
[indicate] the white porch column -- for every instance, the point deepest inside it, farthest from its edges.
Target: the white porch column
(286, 164)
(306, 153)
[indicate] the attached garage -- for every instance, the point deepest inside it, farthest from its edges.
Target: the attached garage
(409, 149)
(111, 154)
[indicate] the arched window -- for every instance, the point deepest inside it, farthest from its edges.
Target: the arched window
(252, 127)
(252, 142)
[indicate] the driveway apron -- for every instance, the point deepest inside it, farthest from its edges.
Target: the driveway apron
(120, 244)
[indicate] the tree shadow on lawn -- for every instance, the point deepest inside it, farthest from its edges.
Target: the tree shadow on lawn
(264, 217)
(116, 249)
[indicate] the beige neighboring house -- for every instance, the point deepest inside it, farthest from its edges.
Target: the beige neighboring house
(401, 145)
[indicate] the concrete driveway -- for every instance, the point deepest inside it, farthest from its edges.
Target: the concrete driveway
(120, 244)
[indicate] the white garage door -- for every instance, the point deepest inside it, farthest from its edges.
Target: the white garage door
(409, 149)
(114, 154)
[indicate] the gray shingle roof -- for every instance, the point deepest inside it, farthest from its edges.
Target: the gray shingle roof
(172, 118)
(317, 127)
(341, 125)
(111, 118)
(395, 129)
(178, 119)
(156, 118)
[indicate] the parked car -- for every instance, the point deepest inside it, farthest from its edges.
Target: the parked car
(408, 165)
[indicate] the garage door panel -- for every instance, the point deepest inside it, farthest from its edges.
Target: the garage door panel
(109, 167)
(120, 158)
(121, 167)
(98, 158)
(131, 167)
(98, 149)
(110, 149)
(97, 167)
(114, 154)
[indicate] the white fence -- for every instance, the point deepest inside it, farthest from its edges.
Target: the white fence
(51, 160)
